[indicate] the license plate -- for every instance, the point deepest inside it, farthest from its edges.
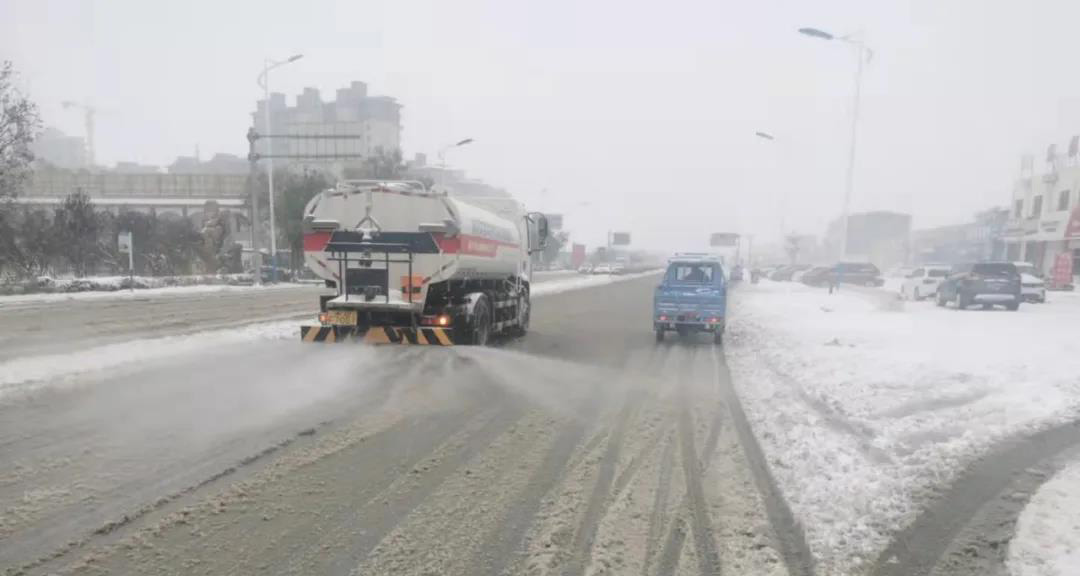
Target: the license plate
(346, 317)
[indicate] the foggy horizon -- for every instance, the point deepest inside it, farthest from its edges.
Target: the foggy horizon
(651, 122)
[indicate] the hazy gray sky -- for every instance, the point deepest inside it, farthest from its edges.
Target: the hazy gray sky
(645, 110)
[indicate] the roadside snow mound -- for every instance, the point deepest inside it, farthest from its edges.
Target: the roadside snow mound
(1047, 540)
(865, 410)
(579, 282)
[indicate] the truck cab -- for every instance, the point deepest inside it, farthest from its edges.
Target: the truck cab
(692, 297)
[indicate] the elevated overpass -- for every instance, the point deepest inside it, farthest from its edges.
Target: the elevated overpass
(183, 194)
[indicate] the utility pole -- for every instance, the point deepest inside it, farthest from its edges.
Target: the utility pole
(862, 52)
(253, 158)
(264, 81)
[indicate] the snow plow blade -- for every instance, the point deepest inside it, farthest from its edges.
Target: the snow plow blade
(378, 335)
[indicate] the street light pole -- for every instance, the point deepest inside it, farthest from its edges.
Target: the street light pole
(861, 52)
(264, 81)
(458, 144)
(784, 189)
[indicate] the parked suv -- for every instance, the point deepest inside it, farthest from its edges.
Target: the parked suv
(923, 282)
(860, 273)
(985, 283)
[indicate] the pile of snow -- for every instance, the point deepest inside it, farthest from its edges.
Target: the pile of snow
(51, 285)
(25, 374)
(148, 292)
(1047, 540)
(555, 286)
(865, 405)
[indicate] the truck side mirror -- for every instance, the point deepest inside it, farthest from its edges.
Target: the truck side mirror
(541, 229)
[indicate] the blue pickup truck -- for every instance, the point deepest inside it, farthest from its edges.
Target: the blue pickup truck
(691, 298)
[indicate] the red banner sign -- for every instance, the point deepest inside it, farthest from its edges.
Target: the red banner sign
(577, 256)
(1072, 229)
(1062, 273)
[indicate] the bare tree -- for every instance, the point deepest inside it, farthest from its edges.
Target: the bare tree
(19, 123)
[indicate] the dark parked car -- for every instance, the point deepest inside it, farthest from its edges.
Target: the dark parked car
(985, 283)
(817, 276)
(784, 273)
(859, 273)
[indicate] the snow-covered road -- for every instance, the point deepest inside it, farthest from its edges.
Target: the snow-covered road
(583, 448)
(867, 407)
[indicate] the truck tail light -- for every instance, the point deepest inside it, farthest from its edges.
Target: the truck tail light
(663, 318)
(440, 320)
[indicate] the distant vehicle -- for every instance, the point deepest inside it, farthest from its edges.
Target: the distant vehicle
(784, 273)
(691, 298)
(585, 269)
(798, 274)
(1027, 268)
(858, 273)
(737, 273)
(1032, 288)
(816, 276)
(618, 268)
(900, 271)
(985, 283)
(923, 282)
(602, 269)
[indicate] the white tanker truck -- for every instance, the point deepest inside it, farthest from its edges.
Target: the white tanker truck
(417, 266)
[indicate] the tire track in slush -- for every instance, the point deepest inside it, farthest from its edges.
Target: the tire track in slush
(789, 533)
(995, 487)
(704, 540)
(503, 545)
(601, 497)
(380, 518)
(658, 517)
(693, 502)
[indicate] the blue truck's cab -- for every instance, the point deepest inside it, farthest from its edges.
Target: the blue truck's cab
(692, 297)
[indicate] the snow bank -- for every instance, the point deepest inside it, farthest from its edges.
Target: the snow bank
(1047, 540)
(866, 405)
(24, 374)
(164, 291)
(556, 286)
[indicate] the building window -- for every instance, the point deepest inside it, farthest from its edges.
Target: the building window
(1063, 200)
(1018, 209)
(1036, 207)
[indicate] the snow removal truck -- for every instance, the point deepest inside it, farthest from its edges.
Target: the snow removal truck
(413, 265)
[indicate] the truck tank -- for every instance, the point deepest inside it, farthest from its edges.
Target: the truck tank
(402, 256)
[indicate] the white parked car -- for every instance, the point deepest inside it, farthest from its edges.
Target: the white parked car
(1032, 288)
(923, 282)
(603, 269)
(1032, 285)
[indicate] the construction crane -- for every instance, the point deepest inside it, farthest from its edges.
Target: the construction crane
(88, 117)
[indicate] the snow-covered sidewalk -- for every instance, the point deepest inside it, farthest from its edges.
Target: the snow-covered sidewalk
(865, 406)
(1047, 540)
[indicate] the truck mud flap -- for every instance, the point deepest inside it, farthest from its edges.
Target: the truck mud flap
(424, 336)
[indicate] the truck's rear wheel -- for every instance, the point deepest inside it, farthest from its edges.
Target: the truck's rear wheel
(524, 312)
(480, 329)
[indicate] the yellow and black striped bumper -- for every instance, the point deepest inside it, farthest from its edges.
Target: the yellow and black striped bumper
(378, 335)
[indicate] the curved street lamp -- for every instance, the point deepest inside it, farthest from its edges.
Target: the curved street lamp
(861, 52)
(264, 81)
(458, 144)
